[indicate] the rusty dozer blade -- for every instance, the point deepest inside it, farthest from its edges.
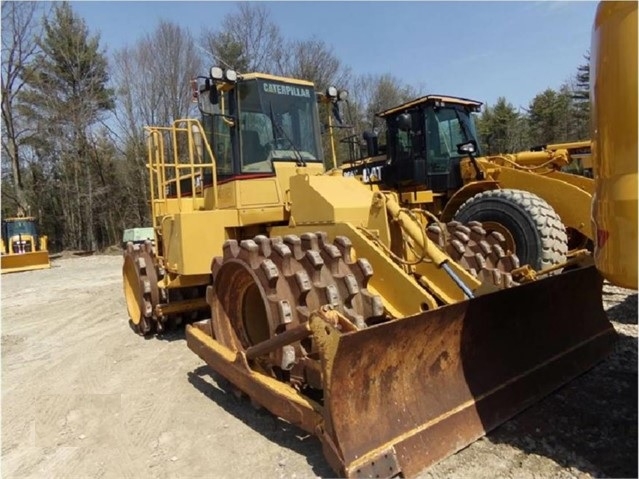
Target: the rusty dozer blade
(14, 263)
(401, 396)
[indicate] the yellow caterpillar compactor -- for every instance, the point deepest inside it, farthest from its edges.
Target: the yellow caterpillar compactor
(22, 248)
(396, 339)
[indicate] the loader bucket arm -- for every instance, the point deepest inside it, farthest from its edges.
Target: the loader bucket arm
(402, 395)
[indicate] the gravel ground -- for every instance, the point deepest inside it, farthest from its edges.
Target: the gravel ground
(82, 396)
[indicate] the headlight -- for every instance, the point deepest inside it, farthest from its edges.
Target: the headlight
(331, 92)
(343, 95)
(230, 75)
(217, 73)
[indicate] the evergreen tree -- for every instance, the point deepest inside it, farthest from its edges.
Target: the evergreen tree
(581, 100)
(549, 117)
(66, 95)
(501, 128)
(581, 91)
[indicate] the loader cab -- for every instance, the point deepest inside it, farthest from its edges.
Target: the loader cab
(19, 235)
(422, 142)
(253, 121)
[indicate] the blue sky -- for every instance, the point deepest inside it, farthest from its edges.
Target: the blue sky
(479, 50)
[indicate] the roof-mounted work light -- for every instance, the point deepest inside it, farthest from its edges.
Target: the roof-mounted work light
(217, 73)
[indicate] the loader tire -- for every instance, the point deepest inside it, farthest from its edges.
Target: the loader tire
(532, 227)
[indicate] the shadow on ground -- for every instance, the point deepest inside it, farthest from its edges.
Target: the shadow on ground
(590, 424)
(624, 312)
(280, 432)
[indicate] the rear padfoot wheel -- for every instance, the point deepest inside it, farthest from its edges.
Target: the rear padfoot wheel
(140, 288)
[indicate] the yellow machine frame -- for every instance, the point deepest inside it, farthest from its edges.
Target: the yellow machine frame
(613, 71)
(541, 172)
(329, 304)
(14, 262)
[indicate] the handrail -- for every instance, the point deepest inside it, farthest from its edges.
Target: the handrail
(205, 144)
(161, 168)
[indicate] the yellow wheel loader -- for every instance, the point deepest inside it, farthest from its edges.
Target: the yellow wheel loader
(431, 160)
(579, 156)
(22, 248)
(396, 339)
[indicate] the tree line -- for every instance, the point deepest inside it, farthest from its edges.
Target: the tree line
(73, 114)
(553, 116)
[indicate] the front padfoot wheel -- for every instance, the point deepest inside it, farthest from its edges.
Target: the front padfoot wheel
(264, 286)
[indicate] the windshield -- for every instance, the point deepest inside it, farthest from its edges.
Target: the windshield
(20, 227)
(278, 121)
(448, 127)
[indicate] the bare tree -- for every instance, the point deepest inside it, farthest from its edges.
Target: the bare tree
(371, 94)
(313, 60)
(153, 78)
(172, 61)
(19, 30)
(153, 85)
(248, 40)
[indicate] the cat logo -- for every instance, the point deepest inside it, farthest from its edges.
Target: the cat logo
(290, 90)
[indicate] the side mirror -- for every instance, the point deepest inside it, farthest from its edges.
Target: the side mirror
(336, 110)
(372, 146)
(214, 97)
(207, 97)
(468, 148)
(404, 122)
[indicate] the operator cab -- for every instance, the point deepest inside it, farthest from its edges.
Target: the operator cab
(255, 120)
(423, 142)
(19, 235)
